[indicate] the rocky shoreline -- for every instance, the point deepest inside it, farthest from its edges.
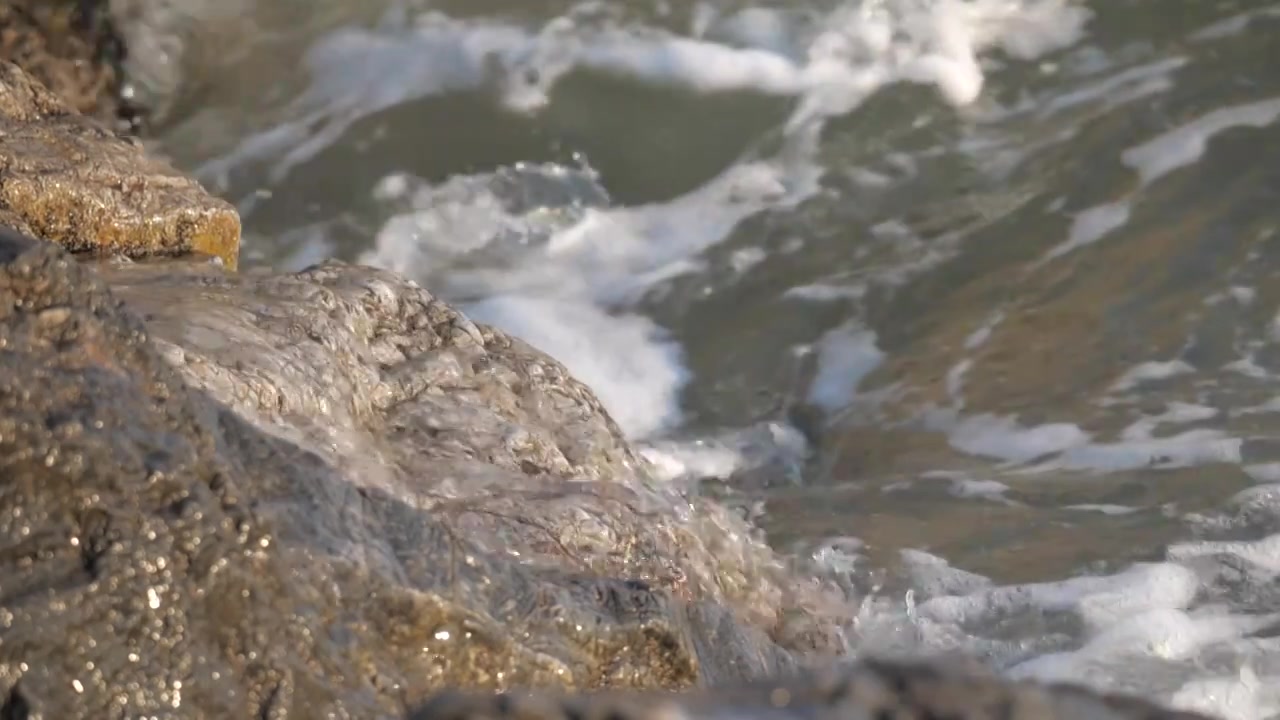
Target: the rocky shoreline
(329, 494)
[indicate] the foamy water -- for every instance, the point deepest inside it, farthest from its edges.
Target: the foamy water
(868, 253)
(570, 294)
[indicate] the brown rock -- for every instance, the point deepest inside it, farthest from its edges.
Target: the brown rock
(72, 181)
(72, 47)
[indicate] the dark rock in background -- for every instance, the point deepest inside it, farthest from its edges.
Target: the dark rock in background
(73, 48)
(67, 179)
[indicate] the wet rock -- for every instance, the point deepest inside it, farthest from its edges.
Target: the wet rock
(410, 400)
(72, 47)
(329, 493)
(65, 178)
(871, 689)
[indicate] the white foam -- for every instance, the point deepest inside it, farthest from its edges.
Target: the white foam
(626, 359)
(776, 451)
(691, 460)
(979, 337)
(1263, 555)
(580, 268)
(841, 60)
(1248, 367)
(1064, 446)
(744, 259)
(846, 355)
(1139, 631)
(1004, 439)
(1092, 225)
(1263, 472)
(1271, 405)
(1166, 633)
(1243, 295)
(1193, 447)
(979, 489)
(821, 292)
(1242, 697)
(1176, 413)
(1150, 371)
(1103, 508)
(955, 381)
(934, 576)
(1234, 25)
(1186, 144)
(1100, 600)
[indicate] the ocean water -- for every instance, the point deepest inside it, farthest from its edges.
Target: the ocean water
(970, 303)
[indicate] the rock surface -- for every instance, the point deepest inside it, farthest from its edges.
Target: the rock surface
(66, 179)
(370, 499)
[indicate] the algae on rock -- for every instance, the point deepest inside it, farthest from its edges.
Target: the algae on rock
(65, 178)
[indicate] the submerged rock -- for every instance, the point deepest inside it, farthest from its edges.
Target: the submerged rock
(67, 179)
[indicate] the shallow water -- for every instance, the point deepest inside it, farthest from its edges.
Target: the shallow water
(952, 295)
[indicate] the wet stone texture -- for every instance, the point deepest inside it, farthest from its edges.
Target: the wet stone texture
(330, 493)
(65, 178)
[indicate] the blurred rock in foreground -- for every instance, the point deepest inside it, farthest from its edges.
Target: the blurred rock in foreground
(867, 690)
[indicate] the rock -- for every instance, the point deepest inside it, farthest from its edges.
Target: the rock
(72, 47)
(355, 498)
(871, 689)
(407, 399)
(65, 178)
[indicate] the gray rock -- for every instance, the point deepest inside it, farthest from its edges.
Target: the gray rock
(356, 497)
